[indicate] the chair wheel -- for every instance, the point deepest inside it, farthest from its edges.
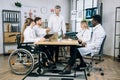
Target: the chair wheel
(100, 69)
(102, 74)
(96, 63)
(40, 71)
(88, 74)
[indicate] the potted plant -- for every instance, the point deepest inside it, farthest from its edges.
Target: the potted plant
(18, 4)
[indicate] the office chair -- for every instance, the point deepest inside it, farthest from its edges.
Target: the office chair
(90, 66)
(100, 52)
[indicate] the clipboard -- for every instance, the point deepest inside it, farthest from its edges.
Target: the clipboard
(47, 36)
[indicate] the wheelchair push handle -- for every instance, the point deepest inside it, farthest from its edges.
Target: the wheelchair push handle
(11, 35)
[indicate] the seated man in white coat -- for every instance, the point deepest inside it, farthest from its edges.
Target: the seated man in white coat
(92, 47)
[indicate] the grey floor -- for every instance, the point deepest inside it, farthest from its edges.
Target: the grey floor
(80, 75)
(52, 78)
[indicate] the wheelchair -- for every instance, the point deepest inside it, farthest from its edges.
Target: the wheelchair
(23, 61)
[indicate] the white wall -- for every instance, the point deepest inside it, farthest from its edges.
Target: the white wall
(49, 4)
(109, 24)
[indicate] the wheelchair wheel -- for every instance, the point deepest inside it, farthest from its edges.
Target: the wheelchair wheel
(21, 61)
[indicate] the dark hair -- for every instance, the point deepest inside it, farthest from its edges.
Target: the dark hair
(57, 7)
(97, 18)
(36, 19)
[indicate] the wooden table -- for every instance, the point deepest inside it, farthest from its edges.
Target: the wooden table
(63, 42)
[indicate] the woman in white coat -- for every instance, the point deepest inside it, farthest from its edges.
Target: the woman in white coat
(84, 35)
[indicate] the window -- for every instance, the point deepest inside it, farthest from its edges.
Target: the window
(85, 10)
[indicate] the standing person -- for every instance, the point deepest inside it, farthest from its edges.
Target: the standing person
(56, 24)
(92, 47)
(39, 31)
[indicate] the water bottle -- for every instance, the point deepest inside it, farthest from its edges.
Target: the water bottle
(59, 36)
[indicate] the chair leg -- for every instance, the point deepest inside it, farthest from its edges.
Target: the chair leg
(85, 74)
(89, 69)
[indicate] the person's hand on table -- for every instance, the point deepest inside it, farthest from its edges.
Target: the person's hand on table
(42, 40)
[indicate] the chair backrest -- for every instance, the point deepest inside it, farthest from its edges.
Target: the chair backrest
(102, 45)
(100, 52)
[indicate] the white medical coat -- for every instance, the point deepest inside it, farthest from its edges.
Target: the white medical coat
(57, 24)
(29, 35)
(94, 45)
(84, 35)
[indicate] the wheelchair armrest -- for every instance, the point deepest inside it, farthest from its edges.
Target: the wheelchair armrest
(27, 44)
